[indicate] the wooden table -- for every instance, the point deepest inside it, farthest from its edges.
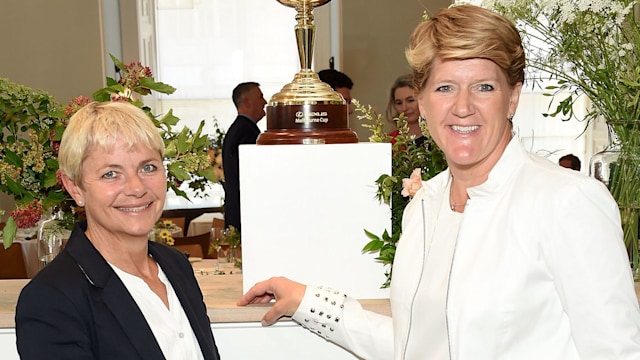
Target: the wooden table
(30, 255)
(231, 325)
(202, 224)
(220, 295)
(221, 292)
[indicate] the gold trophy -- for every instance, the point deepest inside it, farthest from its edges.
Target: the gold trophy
(307, 110)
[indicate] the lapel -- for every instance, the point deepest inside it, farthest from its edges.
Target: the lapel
(113, 293)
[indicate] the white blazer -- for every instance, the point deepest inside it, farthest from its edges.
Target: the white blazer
(539, 271)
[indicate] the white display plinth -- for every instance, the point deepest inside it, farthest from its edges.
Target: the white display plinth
(304, 209)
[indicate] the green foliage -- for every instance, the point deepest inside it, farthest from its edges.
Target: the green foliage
(32, 125)
(406, 156)
(185, 150)
(590, 48)
(586, 47)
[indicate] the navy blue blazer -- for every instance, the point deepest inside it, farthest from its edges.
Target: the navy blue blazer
(77, 307)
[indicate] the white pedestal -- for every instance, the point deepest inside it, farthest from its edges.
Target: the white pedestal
(241, 341)
(304, 212)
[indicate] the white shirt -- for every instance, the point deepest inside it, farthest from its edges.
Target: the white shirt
(170, 327)
(432, 340)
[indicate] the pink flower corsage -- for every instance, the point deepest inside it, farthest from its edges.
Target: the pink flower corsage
(411, 185)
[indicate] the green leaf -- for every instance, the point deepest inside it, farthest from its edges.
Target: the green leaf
(209, 174)
(179, 192)
(12, 158)
(101, 95)
(176, 170)
(50, 179)
(59, 129)
(14, 188)
(160, 87)
(169, 118)
(171, 150)
(111, 81)
(183, 142)
(9, 232)
(372, 246)
(117, 62)
(371, 235)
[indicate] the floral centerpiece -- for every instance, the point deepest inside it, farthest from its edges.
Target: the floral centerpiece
(410, 164)
(163, 232)
(590, 48)
(32, 125)
(229, 245)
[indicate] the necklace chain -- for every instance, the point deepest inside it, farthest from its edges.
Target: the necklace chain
(452, 203)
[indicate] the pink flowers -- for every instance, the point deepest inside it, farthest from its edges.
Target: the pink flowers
(76, 104)
(411, 185)
(27, 216)
(134, 73)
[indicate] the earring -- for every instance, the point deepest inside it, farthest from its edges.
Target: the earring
(80, 203)
(510, 117)
(421, 118)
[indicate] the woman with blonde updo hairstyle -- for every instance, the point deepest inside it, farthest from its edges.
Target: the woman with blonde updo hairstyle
(402, 100)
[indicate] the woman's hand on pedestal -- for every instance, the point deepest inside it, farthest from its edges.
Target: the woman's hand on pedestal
(287, 295)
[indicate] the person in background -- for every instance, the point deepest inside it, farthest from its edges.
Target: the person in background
(402, 100)
(215, 159)
(250, 103)
(111, 293)
(340, 82)
(484, 268)
(570, 161)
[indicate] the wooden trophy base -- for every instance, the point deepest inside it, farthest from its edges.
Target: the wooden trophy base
(288, 136)
(307, 124)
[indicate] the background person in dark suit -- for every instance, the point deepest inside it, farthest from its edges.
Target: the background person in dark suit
(340, 82)
(248, 99)
(112, 294)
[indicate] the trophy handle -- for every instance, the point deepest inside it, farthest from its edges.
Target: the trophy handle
(305, 30)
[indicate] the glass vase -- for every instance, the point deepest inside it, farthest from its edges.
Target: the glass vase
(602, 164)
(620, 169)
(50, 238)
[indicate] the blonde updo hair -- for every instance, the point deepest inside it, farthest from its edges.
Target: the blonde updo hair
(405, 80)
(101, 125)
(466, 32)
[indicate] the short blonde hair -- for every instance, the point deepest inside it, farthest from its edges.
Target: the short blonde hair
(466, 32)
(102, 125)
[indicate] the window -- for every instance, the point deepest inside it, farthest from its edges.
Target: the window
(206, 47)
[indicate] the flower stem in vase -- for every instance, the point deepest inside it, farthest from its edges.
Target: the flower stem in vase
(625, 186)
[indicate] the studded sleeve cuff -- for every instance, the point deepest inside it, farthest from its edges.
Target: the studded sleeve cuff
(321, 311)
